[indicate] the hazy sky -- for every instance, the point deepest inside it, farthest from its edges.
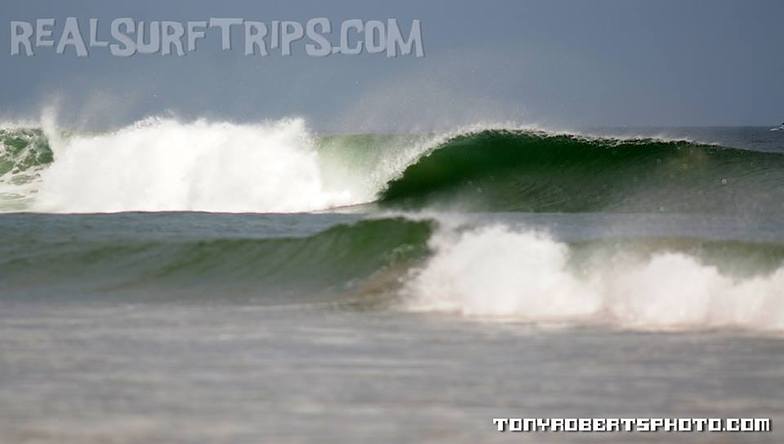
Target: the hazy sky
(554, 62)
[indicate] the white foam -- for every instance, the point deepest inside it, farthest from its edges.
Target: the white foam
(163, 164)
(495, 272)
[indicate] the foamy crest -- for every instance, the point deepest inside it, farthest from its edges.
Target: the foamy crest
(159, 165)
(498, 273)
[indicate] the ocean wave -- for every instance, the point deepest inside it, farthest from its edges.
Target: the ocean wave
(282, 167)
(343, 260)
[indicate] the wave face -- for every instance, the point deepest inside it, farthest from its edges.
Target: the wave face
(342, 261)
(530, 171)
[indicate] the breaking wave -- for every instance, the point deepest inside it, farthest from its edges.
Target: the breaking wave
(166, 165)
(481, 271)
(498, 273)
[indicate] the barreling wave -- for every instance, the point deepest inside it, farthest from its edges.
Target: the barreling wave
(281, 167)
(531, 171)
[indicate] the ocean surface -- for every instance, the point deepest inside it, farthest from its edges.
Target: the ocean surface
(219, 282)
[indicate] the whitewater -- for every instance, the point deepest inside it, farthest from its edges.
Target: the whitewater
(497, 273)
(161, 164)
